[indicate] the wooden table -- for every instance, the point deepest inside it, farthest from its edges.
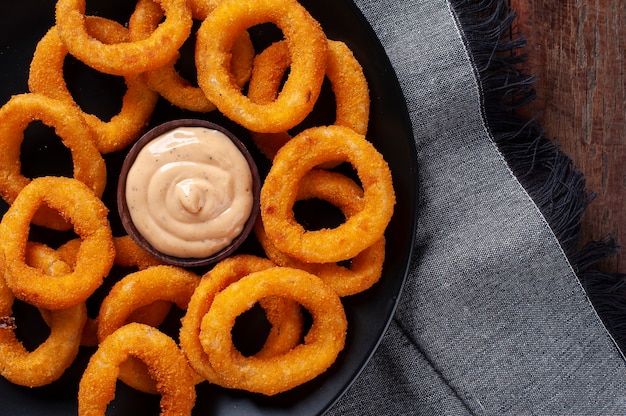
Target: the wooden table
(577, 50)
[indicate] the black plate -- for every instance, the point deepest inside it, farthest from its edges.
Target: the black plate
(24, 22)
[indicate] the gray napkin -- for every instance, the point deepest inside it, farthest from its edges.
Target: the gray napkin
(493, 319)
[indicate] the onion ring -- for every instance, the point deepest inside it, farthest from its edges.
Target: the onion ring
(165, 362)
(15, 116)
(344, 73)
(276, 374)
(124, 58)
(366, 268)
(46, 77)
(308, 47)
(311, 148)
(137, 290)
(167, 81)
(284, 316)
(51, 358)
(88, 215)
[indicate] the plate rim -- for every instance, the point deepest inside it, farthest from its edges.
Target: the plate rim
(406, 121)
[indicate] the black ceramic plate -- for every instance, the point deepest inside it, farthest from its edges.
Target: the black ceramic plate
(23, 23)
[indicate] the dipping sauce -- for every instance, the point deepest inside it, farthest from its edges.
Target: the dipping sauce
(189, 192)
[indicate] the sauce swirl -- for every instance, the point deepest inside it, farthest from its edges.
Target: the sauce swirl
(189, 192)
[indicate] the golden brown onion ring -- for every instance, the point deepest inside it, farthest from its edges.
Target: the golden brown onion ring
(46, 77)
(124, 58)
(50, 359)
(339, 190)
(165, 362)
(308, 47)
(80, 206)
(284, 315)
(344, 73)
(69, 125)
(272, 375)
(305, 151)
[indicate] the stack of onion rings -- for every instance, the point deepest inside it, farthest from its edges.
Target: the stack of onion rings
(167, 81)
(305, 151)
(307, 44)
(140, 289)
(277, 373)
(298, 274)
(339, 190)
(284, 316)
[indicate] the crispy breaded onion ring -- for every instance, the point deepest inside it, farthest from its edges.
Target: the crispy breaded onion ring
(124, 58)
(78, 204)
(15, 116)
(279, 373)
(307, 44)
(137, 290)
(284, 315)
(46, 77)
(51, 358)
(167, 81)
(344, 73)
(165, 362)
(305, 151)
(339, 190)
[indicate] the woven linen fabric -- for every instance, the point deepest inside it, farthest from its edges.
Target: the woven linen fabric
(493, 318)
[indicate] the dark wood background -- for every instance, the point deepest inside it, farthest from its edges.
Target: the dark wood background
(576, 49)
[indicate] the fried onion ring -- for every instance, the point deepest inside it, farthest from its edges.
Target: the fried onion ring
(307, 44)
(87, 213)
(272, 375)
(167, 81)
(46, 77)
(124, 58)
(344, 73)
(339, 190)
(165, 362)
(284, 316)
(305, 151)
(51, 358)
(15, 116)
(137, 290)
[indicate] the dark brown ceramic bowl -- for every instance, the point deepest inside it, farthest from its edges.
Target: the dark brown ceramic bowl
(128, 224)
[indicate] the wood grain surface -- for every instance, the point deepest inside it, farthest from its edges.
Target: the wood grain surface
(576, 49)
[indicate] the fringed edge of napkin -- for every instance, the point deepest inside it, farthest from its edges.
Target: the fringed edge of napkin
(549, 176)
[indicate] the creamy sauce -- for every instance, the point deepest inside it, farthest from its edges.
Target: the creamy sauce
(189, 192)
